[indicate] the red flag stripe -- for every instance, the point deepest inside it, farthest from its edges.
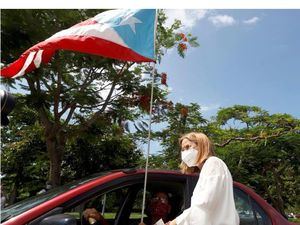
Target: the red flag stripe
(85, 44)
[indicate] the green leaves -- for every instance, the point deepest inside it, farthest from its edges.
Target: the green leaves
(261, 150)
(87, 156)
(193, 42)
(180, 119)
(170, 37)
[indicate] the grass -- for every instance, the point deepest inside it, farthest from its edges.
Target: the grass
(294, 220)
(136, 216)
(109, 215)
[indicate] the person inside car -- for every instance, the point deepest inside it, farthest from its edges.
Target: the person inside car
(157, 208)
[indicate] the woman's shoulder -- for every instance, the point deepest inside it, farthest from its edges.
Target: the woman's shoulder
(214, 159)
(214, 165)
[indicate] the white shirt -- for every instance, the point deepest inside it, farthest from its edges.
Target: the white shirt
(212, 201)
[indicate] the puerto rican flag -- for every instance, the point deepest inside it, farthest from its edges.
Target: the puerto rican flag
(127, 35)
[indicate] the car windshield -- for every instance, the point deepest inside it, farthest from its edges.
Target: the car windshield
(24, 205)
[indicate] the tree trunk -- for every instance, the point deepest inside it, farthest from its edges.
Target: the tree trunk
(279, 205)
(13, 194)
(55, 147)
(16, 186)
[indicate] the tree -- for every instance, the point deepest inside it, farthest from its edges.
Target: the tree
(75, 91)
(181, 119)
(249, 123)
(271, 168)
(261, 150)
(24, 163)
(90, 154)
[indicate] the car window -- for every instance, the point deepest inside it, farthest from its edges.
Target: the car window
(108, 204)
(174, 190)
(136, 212)
(22, 206)
(249, 211)
(244, 208)
(262, 217)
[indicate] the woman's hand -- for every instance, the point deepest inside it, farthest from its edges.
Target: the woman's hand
(173, 222)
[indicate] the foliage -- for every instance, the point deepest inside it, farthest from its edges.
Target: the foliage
(180, 119)
(261, 150)
(24, 163)
(271, 168)
(154, 162)
(169, 37)
(86, 156)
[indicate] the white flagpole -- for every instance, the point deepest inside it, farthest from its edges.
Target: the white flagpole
(149, 130)
(149, 140)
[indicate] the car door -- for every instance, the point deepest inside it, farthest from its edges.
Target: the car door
(108, 198)
(113, 204)
(116, 199)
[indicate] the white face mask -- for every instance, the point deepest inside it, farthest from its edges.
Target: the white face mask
(189, 157)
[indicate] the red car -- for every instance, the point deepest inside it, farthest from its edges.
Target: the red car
(118, 196)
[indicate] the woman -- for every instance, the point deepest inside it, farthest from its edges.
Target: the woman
(212, 202)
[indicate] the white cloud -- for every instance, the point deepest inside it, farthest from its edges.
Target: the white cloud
(251, 21)
(188, 17)
(209, 107)
(222, 20)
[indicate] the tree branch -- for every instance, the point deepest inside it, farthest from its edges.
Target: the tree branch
(278, 134)
(124, 68)
(89, 79)
(43, 115)
(70, 114)
(46, 84)
(64, 109)
(56, 96)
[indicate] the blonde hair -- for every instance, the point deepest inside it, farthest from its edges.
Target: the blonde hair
(204, 146)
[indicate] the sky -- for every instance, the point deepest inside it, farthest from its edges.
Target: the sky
(248, 57)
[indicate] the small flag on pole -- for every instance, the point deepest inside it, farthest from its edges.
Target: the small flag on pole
(127, 35)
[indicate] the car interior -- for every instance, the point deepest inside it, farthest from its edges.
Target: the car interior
(120, 203)
(123, 205)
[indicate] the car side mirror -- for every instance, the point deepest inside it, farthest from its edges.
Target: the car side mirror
(59, 219)
(7, 102)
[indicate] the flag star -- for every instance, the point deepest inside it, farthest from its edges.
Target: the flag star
(131, 21)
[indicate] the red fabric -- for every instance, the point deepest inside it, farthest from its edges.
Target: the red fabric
(85, 44)
(164, 79)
